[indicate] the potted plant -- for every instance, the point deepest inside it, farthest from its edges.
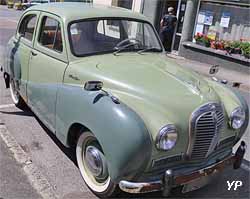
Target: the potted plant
(215, 44)
(18, 5)
(10, 4)
(228, 47)
(198, 39)
(206, 41)
(2, 2)
(236, 47)
(245, 47)
(201, 39)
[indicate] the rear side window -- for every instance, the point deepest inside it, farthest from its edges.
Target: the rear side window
(27, 26)
(50, 35)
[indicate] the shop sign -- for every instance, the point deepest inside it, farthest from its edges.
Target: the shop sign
(225, 19)
(208, 18)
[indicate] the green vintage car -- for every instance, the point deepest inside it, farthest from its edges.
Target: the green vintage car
(99, 79)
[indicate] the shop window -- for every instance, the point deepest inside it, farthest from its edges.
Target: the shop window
(123, 3)
(223, 22)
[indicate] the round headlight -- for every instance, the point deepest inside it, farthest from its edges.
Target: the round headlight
(237, 118)
(166, 138)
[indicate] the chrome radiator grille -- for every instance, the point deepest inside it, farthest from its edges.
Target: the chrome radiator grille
(205, 126)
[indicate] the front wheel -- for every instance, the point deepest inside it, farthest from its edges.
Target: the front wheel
(15, 96)
(93, 166)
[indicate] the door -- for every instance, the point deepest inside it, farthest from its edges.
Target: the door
(47, 65)
(179, 11)
(21, 46)
(180, 21)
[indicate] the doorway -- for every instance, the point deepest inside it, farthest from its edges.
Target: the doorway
(179, 11)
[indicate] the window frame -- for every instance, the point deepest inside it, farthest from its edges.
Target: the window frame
(18, 35)
(42, 24)
(106, 18)
(63, 56)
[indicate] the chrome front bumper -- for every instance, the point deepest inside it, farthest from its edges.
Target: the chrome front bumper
(170, 180)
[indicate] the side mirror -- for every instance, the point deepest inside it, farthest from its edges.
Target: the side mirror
(214, 69)
(93, 86)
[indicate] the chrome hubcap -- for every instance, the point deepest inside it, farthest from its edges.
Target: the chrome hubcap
(95, 162)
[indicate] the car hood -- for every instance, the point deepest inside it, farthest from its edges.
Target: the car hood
(154, 86)
(155, 78)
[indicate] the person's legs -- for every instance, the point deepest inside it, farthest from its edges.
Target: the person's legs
(162, 36)
(168, 42)
(166, 38)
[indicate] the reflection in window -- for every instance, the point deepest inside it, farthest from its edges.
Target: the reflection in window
(27, 26)
(50, 35)
(224, 22)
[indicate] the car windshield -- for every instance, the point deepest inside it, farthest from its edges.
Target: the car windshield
(112, 35)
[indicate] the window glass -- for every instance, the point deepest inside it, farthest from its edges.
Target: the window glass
(223, 22)
(27, 26)
(110, 35)
(50, 35)
(111, 29)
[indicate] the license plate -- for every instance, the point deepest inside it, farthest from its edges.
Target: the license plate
(196, 184)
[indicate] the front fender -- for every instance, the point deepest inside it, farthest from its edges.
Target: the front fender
(245, 106)
(231, 99)
(121, 132)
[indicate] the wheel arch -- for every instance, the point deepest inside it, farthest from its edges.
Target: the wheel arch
(74, 132)
(120, 131)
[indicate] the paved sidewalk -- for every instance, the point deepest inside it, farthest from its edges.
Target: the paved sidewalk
(225, 74)
(13, 182)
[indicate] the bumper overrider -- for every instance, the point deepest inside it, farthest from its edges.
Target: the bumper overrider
(170, 180)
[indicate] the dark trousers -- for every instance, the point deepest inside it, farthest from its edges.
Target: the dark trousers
(166, 38)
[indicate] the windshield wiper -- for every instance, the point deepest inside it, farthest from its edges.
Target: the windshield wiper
(153, 49)
(119, 49)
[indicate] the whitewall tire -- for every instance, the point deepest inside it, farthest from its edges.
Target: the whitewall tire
(93, 166)
(15, 96)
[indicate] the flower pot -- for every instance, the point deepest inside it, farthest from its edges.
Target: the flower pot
(10, 5)
(207, 45)
(236, 50)
(247, 56)
(200, 43)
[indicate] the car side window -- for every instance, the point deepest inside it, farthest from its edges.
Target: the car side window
(50, 34)
(27, 26)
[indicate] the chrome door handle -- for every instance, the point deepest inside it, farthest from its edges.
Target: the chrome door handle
(33, 53)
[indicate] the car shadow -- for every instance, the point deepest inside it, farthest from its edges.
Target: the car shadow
(19, 113)
(26, 111)
(69, 152)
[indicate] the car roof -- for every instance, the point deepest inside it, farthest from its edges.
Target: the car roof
(70, 11)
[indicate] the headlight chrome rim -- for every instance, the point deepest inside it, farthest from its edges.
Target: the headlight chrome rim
(236, 113)
(169, 131)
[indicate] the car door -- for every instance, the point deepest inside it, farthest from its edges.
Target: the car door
(47, 65)
(20, 48)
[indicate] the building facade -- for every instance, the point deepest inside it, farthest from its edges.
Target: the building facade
(218, 20)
